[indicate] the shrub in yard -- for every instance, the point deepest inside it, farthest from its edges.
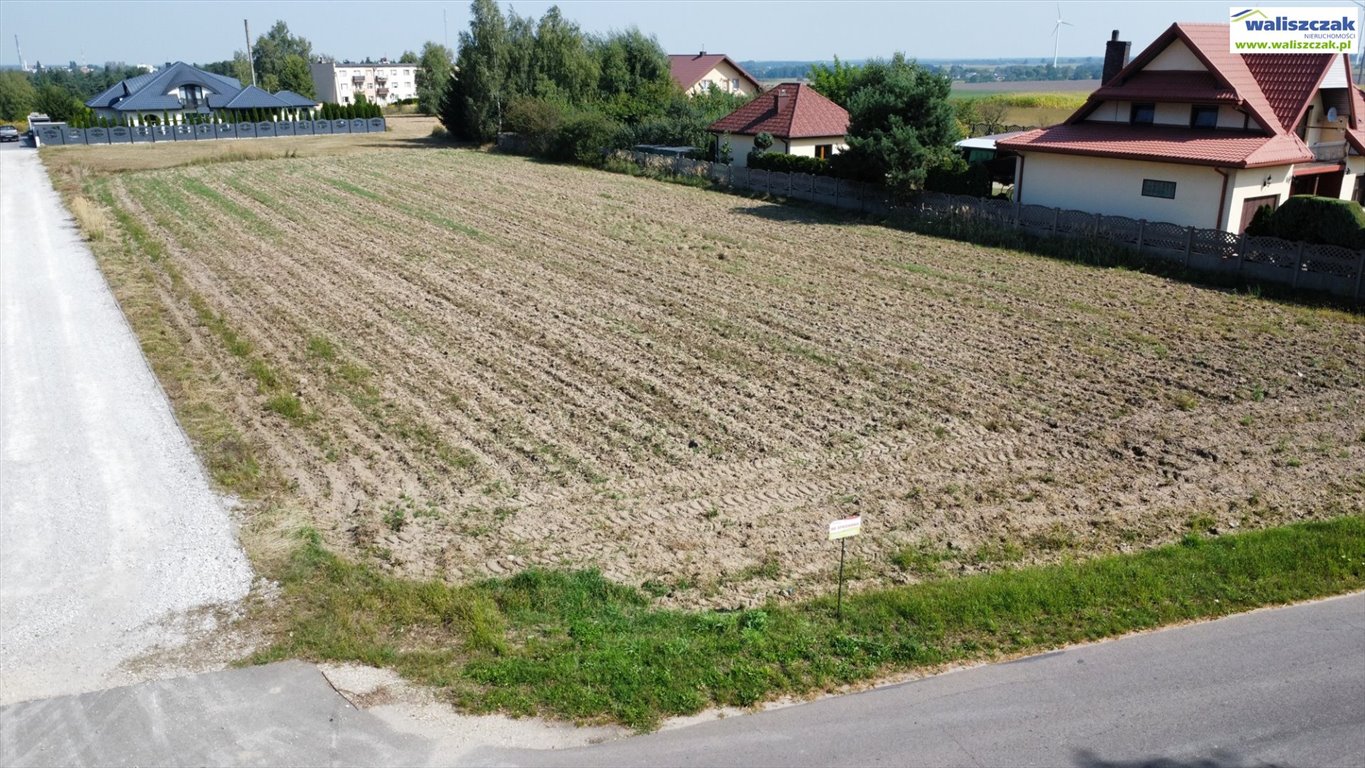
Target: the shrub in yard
(960, 179)
(1320, 220)
(1260, 222)
(791, 164)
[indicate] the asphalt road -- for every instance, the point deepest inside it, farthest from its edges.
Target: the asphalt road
(108, 527)
(1276, 687)
(1279, 687)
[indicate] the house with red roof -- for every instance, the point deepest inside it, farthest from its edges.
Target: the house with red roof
(1191, 134)
(697, 73)
(801, 122)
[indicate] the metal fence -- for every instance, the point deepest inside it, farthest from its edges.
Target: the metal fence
(1326, 268)
(152, 134)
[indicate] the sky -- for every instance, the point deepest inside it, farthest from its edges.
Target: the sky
(59, 31)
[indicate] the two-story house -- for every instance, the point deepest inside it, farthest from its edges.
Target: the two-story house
(697, 73)
(1191, 134)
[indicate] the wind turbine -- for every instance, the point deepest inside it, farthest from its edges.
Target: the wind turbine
(1057, 34)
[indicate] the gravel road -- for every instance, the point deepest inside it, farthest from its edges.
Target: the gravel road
(108, 527)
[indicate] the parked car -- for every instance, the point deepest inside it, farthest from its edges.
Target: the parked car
(9, 133)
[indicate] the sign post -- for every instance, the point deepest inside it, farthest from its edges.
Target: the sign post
(840, 530)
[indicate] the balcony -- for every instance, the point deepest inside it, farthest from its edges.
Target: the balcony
(381, 79)
(1329, 151)
(358, 80)
(382, 92)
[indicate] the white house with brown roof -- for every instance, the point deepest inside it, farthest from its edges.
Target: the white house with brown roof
(800, 120)
(1191, 134)
(698, 73)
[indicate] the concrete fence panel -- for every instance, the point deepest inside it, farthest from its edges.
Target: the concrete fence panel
(96, 135)
(377, 125)
(143, 134)
(265, 129)
(341, 126)
(322, 127)
(183, 133)
(120, 134)
(51, 135)
(205, 131)
(360, 125)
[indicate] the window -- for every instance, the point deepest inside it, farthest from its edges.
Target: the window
(1154, 188)
(1202, 116)
(1142, 114)
(823, 151)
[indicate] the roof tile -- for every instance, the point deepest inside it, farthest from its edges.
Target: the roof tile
(1164, 144)
(804, 114)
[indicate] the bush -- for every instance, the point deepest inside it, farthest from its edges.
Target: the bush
(537, 123)
(1322, 220)
(790, 164)
(585, 137)
(974, 180)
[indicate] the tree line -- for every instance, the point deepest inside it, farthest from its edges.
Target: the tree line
(569, 94)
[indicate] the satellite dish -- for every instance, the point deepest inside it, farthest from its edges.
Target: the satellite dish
(1331, 114)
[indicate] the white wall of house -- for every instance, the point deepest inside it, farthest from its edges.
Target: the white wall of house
(1114, 187)
(1255, 182)
(727, 79)
(1166, 114)
(335, 82)
(1178, 57)
(806, 147)
(740, 146)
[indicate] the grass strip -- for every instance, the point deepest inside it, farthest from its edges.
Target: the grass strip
(572, 644)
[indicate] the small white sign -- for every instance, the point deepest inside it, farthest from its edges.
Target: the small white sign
(842, 529)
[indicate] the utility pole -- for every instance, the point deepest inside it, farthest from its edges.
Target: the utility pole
(249, 58)
(445, 28)
(23, 65)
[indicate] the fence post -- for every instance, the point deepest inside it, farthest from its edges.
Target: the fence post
(1056, 213)
(1142, 233)
(1189, 242)
(1241, 251)
(789, 183)
(1298, 263)
(1360, 273)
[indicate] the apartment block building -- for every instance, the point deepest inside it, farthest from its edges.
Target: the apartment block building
(384, 82)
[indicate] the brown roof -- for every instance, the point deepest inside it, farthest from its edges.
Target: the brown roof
(1168, 85)
(1274, 88)
(804, 114)
(688, 69)
(1167, 144)
(1289, 80)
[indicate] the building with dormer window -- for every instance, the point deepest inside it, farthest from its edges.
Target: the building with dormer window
(1191, 134)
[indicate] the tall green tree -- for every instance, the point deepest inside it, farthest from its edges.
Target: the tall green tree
(17, 95)
(277, 56)
(835, 81)
(562, 64)
(57, 103)
(434, 68)
(635, 79)
(408, 57)
(901, 124)
(482, 66)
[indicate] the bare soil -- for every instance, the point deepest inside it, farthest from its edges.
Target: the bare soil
(504, 364)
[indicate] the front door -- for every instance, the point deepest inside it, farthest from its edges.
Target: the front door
(1250, 205)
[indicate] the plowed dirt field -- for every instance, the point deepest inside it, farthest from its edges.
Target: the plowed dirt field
(466, 364)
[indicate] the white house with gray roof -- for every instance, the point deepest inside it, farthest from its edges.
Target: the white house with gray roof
(181, 89)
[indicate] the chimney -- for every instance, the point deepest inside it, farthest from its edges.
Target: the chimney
(1115, 57)
(781, 99)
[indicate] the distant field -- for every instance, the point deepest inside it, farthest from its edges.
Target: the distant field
(1084, 87)
(463, 364)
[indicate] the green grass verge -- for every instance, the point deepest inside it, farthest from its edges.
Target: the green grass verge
(574, 645)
